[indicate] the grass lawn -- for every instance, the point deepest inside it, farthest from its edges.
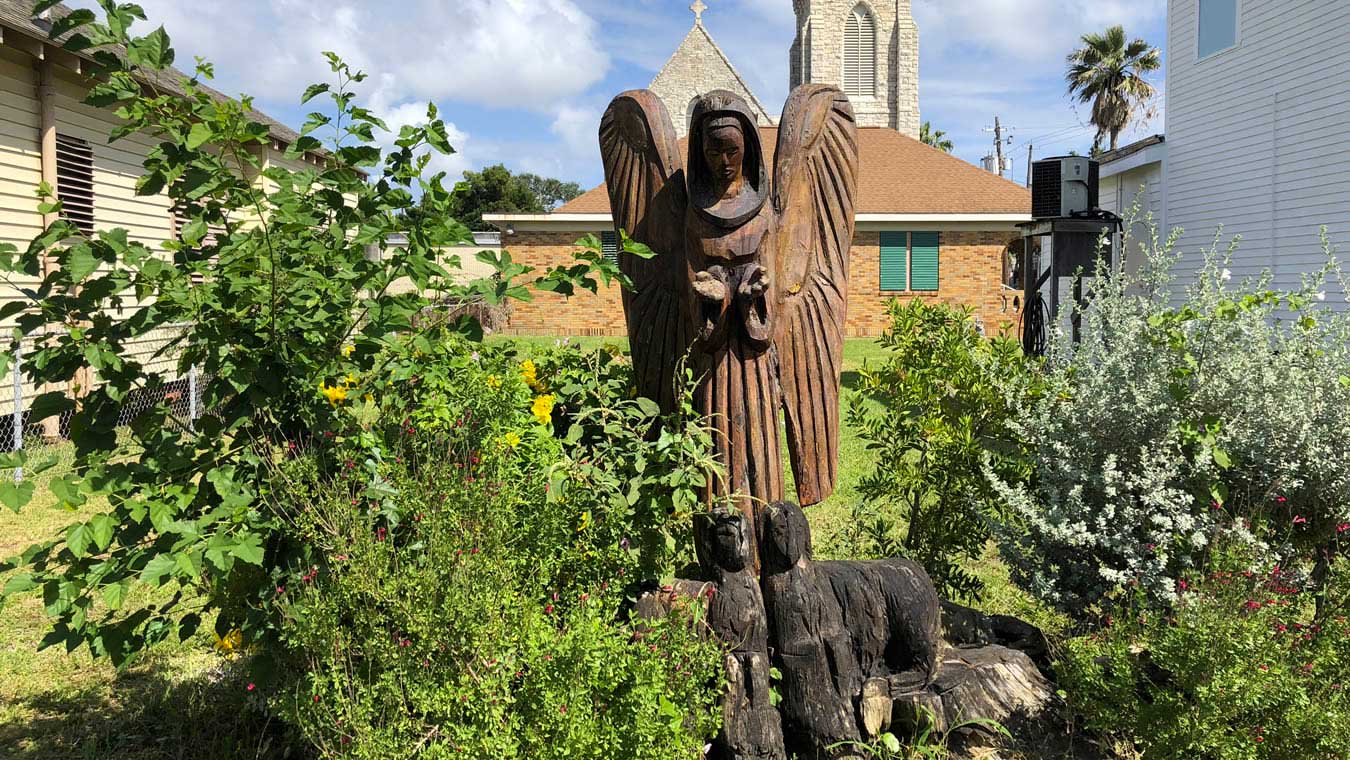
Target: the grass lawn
(181, 701)
(185, 701)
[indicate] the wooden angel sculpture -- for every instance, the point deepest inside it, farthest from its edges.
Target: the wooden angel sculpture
(750, 274)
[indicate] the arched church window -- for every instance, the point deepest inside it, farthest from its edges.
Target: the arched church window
(860, 52)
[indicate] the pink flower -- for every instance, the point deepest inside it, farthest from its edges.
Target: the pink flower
(1300, 520)
(1280, 500)
(548, 609)
(250, 687)
(281, 590)
(1343, 527)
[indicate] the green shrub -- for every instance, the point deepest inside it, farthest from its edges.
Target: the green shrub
(452, 602)
(1185, 415)
(936, 414)
(1239, 669)
(288, 322)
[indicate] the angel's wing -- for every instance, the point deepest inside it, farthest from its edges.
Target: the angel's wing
(815, 191)
(645, 175)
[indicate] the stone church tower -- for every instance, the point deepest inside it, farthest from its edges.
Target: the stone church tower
(698, 67)
(870, 48)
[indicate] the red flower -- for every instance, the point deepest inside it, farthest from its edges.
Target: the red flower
(1300, 520)
(250, 687)
(1343, 527)
(316, 698)
(548, 609)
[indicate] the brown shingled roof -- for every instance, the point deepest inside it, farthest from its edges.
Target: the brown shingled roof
(899, 175)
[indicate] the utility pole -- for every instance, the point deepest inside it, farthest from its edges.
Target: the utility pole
(1000, 165)
(998, 145)
(1029, 146)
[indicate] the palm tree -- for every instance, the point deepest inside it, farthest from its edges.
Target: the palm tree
(935, 137)
(1109, 73)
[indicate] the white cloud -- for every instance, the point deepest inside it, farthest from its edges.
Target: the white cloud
(1035, 34)
(499, 53)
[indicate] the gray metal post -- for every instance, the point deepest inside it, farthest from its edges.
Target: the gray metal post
(17, 369)
(192, 397)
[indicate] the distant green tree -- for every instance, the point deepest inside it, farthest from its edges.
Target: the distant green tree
(935, 137)
(551, 192)
(494, 190)
(1108, 72)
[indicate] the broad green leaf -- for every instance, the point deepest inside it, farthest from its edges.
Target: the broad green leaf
(78, 539)
(81, 262)
(1221, 458)
(151, 51)
(68, 491)
(313, 91)
(101, 529)
(70, 22)
(194, 232)
(16, 495)
(250, 550)
(200, 134)
(114, 595)
(157, 569)
(19, 584)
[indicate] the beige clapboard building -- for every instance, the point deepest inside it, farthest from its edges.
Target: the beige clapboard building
(48, 134)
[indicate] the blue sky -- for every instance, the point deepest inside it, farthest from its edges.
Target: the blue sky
(523, 82)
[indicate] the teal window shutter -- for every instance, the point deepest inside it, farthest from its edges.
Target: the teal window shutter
(894, 261)
(924, 261)
(609, 245)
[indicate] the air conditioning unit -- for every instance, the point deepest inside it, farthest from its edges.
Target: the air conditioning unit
(1063, 187)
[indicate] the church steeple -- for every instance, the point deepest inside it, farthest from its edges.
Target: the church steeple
(870, 49)
(698, 67)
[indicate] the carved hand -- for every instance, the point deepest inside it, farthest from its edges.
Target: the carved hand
(709, 288)
(755, 282)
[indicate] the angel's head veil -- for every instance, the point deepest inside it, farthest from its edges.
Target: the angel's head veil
(714, 109)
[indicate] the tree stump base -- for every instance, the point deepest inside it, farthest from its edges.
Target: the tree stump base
(987, 683)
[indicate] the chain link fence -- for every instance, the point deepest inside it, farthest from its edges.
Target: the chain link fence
(180, 393)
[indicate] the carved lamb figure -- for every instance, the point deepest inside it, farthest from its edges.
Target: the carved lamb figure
(849, 637)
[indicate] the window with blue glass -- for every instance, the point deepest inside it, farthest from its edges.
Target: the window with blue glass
(1218, 27)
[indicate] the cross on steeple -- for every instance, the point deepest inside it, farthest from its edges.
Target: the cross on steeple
(698, 8)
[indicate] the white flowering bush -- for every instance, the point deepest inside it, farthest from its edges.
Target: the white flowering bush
(1185, 414)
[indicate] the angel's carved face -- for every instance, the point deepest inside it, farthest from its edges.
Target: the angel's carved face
(724, 150)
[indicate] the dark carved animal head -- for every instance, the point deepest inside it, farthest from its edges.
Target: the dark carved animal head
(786, 537)
(724, 540)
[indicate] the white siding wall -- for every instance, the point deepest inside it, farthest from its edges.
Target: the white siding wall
(1142, 186)
(1257, 134)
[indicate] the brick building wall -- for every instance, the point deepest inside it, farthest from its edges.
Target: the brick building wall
(970, 273)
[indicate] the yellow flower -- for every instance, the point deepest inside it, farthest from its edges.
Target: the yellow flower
(335, 394)
(530, 374)
(348, 350)
(511, 439)
(493, 382)
(368, 398)
(230, 642)
(542, 409)
(349, 380)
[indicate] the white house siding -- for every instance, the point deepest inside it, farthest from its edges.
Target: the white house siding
(1257, 135)
(1139, 191)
